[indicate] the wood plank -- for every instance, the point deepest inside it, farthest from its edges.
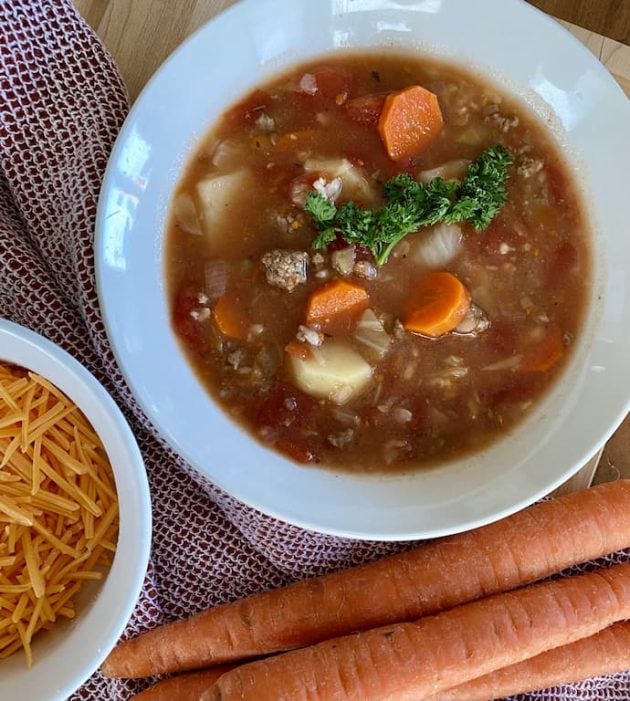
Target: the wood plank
(581, 479)
(615, 462)
(611, 18)
(141, 35)
(134, 32)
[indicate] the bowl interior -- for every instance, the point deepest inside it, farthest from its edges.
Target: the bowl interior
(561, 81)
(67, 655)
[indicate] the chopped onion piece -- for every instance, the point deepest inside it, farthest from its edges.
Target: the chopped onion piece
(299, 192)
(215, 279)
(343, 260)
(474, 322)
(371, 333)
(402, 415)
(185, 214)
(438, 246)
(345, 416)
(328, 190)
(308, 84)
(506, 364)
(228, 154)
(365, 269)
(265, 123)
(305, 334)
(393, 449)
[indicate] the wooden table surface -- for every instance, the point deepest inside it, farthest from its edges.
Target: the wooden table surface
(140, 34)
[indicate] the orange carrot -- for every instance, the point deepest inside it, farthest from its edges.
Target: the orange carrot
(607, 652)
(411, 661)
(410, 120)
(229, 318)
(332, 304)
(439, 302)
(185, 687)
(544, 355)
(436, 576)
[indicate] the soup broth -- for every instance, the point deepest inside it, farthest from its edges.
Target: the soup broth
(334, 357)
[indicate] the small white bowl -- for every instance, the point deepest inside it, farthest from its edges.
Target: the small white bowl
(66, 656)
(525, 53)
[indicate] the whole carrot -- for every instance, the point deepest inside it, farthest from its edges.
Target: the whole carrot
(520, 549)
(607, 652)
(413, 661)
(185, 687)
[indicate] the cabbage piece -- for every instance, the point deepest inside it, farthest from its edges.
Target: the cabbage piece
(436, 247)
(371, 333)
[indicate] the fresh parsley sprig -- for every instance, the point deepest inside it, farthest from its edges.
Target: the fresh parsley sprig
(412, 205)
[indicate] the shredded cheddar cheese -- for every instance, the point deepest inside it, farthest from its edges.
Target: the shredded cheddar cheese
(58, 507)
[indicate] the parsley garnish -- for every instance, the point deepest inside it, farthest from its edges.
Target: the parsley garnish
(412, 205)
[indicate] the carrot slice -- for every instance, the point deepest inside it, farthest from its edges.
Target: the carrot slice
(439, 303)
(334, 303)
(230, 319)
(410, 120)
(545, 354)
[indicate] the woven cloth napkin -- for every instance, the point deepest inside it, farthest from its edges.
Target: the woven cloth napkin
(62, 102)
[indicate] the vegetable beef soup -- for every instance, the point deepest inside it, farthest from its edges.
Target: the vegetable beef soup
(377, 262)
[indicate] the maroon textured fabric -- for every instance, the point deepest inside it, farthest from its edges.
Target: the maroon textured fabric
(62, 104)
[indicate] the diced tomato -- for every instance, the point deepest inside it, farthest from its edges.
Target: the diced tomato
(296, 448)
(298, 350)
(518, 391)
(366, 109)
(502, 338)
(337, 245)
(184, 325)
(403, 165)
(556, 184)
(249, 109)
(286, 410)
(564, 261)
(283, 405)
(333, 83)
(360, 252)
(545, 353)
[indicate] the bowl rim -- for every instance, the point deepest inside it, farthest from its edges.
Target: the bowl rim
(239, 11)
(108, 613)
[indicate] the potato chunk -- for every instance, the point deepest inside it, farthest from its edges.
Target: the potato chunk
(334, 371)
(220, 194)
